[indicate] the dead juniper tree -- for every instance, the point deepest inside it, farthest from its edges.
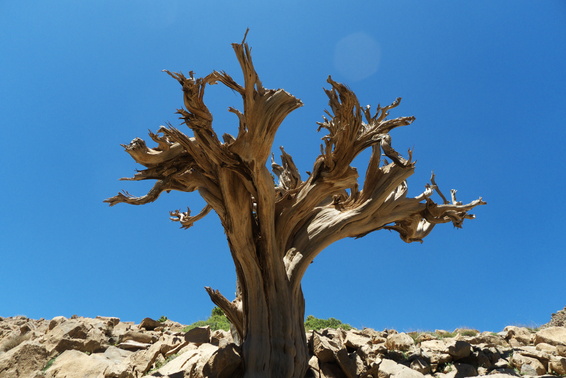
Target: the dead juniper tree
(276, 228)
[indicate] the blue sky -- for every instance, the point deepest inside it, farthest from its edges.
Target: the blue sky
(485, 80)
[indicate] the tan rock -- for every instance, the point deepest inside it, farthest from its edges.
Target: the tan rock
(531, 351)
(225, 362)
(400, 341)
(67, 334)
(421, 365)
(551, 335)
(557, 365)
(425, 337)
(198, 335)
(221, 338)
(133, 345)
(314, 367)
(23, 360)
(561, 350)
(457, 349)
(149, 324)
(140, 337)
(547, 348)
(56, 321)
(488, 339)
(143, 360)
(325, 348)
(120, 329)
(110, 320)
(205, 353)
(119, 363)
(355, 339)
(350, 363)
(391, 369)
(319, 369)
(180, 363)
(75, 364)
(519, 335)
(527, 365)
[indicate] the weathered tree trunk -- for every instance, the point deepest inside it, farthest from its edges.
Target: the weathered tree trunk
(275, 342)
(275, 230)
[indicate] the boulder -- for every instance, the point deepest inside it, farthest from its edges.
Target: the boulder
(456, 349)
(133, 345)
(354, 339)
(319, 369)
(400, 341)
(425, 336)
(518, 336)
(149, 324)
(488, 339)
(198, 335)
(350, 363)
(547, 348)
(143, 360)
(531, 351)
(110, 320)
(205, 353)
(221, 338)
(325, 348)
(421, 365)
(557, 365)
(391, 369)
(527, 365)
(551, 335)
(140, 337)
(66, 334)
(225, 362)
(462, 370)
(23, 360)
(75, 364)
(558, 319)
(56, 321)
(178, 364)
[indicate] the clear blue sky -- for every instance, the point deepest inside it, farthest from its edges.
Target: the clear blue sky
(485, 79)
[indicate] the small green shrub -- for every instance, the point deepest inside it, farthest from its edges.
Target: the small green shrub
(468, 332)
(48, 364)
(162, 319)
(444, 335)
(315, 324)
(159, 364)
(217, 320)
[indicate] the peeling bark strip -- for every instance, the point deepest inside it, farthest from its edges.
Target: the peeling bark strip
(275, 230)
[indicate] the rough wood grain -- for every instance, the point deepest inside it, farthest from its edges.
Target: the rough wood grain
(276, 229)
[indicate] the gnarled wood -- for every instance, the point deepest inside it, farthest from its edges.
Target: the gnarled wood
(276, 229)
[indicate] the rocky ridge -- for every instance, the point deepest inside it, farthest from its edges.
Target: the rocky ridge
(105, 347)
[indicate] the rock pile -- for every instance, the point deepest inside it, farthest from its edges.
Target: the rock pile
(557, 319)
(105, 347)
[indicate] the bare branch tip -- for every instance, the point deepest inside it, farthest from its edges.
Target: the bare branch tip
(245, 35)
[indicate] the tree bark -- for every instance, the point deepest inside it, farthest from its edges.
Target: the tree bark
(275, 230)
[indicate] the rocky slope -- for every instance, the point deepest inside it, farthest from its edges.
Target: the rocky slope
(106, 347)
